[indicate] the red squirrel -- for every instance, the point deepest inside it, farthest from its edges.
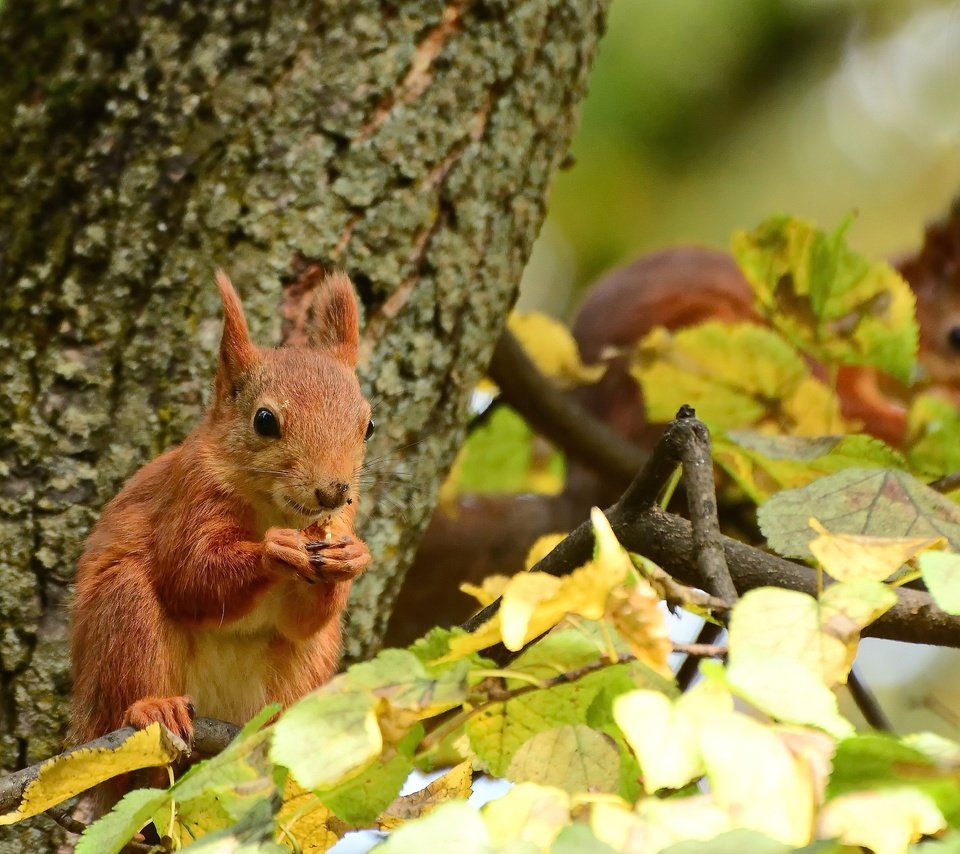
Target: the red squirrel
(213, 583)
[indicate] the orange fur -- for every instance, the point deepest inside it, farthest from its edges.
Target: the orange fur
(207, 583)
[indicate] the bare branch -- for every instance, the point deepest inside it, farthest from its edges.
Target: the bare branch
(558, 417)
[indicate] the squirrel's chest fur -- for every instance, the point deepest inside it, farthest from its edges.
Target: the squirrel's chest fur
(230, 671)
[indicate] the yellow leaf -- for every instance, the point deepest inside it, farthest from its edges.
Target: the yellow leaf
(886, 821)
(553, 350)
(454, 784)
(489, 590)
(67, 775)
(636, 615)
(522, 598)
(620, 827)
(849, 556)
(756, 778)
(541, 547)
(534, 602)
(527, 813)
(304, 824)
(813, 410)
(664, 734)
(672, 820)
(787, 623)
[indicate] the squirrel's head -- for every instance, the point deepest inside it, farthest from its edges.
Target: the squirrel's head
(291, 422)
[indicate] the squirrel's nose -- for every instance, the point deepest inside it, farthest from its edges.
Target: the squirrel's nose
(332, 496)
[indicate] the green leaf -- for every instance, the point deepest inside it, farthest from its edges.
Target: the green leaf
(828, 300)
(114, 830)
(453, 826)
(933, 435)
(941, 574)
(878, 502)
(326, 736)
(403, 679)
(734, 375)
(762, 464)
(574, 758)
(577, 838)
(842, 450)
(363, 797)
(874, 762)
(498, 457)
(497, 731)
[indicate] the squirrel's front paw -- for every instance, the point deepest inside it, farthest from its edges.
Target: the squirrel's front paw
(175, 713)
(284, 550)
(342, 559)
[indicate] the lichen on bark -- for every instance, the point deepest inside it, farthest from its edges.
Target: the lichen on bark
(411, 143)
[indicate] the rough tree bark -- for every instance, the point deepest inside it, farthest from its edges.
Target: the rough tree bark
(143, 144)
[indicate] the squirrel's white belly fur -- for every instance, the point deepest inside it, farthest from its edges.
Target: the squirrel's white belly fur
(227, 672)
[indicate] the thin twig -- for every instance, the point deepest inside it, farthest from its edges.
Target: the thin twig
(947, 483)
(690, 667)
(701, 650)
(867, 703)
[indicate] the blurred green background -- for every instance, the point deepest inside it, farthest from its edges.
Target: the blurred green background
(705, 116)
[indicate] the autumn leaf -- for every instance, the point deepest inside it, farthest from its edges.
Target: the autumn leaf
(453, 826)
(327, 735)
(735, 375)
(756, 779)
(828, 300)
(534, 602)
(941, 574)
(574, 758)
(304, 823)
(552, 348)
(886, 822)
(873, 502)
(70, 773)
(664, 734)
(787, 623)
(846, 557)
(528, 813)
(455, 783)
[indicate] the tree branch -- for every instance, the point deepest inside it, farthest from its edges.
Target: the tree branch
(559, 418)
(209, 737)
(670, 541)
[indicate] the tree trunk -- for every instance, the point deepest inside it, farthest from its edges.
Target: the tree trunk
(144, 144)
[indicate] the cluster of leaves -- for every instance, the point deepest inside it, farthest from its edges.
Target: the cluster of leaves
(769, 392)
(587, 722)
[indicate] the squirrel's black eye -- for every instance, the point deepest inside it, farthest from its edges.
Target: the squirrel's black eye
(953, 337)
(370, 428)
(266, 424)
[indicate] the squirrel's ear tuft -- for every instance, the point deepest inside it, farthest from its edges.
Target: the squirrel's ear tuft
(336, 318)
(237, 352)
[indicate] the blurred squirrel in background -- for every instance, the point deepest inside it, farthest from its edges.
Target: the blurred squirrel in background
(214, 582)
